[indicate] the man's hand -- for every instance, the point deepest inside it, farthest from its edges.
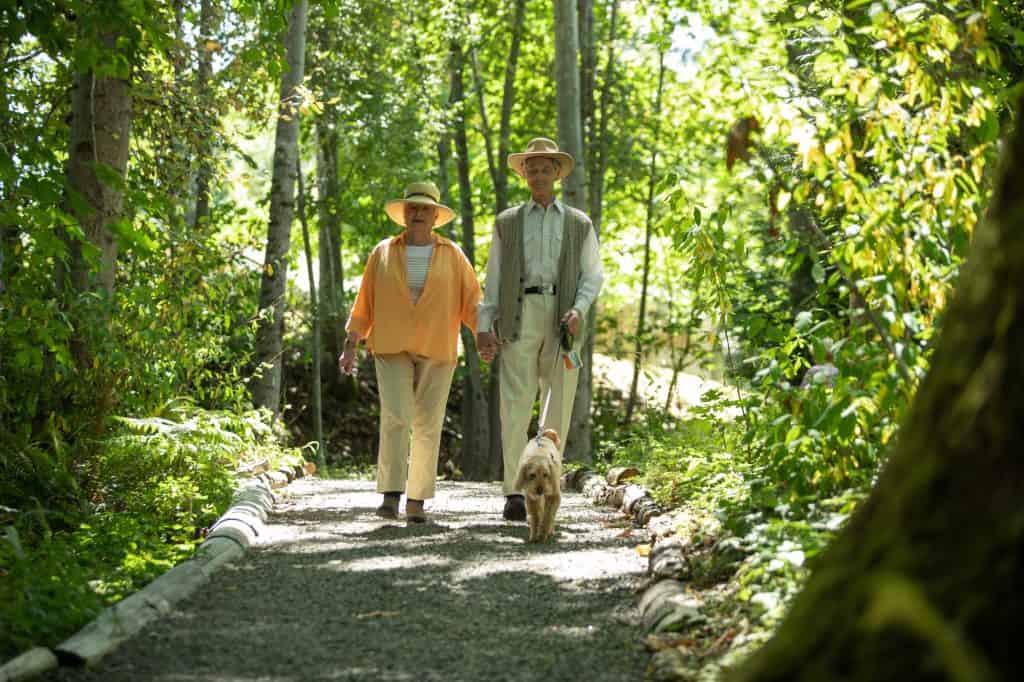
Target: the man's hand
(573, 320)
(487, 345)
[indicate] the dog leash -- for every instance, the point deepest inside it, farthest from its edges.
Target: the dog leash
(564, 343)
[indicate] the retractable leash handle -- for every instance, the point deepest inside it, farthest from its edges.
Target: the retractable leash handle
(565, 336)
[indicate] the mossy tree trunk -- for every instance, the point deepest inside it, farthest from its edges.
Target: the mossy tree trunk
(925, 582)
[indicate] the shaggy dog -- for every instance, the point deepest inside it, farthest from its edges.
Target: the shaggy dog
(539, 477)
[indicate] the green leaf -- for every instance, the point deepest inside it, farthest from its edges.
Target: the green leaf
(818, 272)
(129, 238)
(109, 176)
(696, 215)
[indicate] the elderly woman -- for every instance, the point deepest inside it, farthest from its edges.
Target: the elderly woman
(416, 290)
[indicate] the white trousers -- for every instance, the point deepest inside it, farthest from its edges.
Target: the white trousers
(413, 396)
(529, 365)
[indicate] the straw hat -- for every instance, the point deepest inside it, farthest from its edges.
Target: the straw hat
(543, 147)
(419, 193)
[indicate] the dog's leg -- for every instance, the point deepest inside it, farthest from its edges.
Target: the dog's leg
(534, 509)
(551, 504)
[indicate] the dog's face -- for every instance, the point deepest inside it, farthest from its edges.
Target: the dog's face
(540, 466)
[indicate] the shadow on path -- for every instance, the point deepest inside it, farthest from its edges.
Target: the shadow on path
(338, 594)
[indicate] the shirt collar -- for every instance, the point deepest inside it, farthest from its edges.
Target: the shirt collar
(531, 204)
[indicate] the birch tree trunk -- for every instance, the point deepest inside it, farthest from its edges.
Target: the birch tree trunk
(267, 382)
(924, 582)
(570, 139)
(648, 230)
(475, 462)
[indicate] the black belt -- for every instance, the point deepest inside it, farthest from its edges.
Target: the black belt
(549, 290)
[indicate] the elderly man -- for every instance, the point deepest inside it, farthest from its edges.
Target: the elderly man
(543, 273)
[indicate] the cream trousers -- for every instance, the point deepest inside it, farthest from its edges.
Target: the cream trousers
(526, 366)
(413, 395)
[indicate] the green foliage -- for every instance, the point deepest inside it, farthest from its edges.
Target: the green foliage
(69, 549)
(860, 138)
(807, 273)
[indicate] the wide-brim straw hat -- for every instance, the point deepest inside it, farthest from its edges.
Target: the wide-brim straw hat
(545, 148)
(419, 193)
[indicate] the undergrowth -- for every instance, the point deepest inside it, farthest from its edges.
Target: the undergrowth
(151, 488)
(749, 544)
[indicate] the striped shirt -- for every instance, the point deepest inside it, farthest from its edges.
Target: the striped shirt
(417, 262)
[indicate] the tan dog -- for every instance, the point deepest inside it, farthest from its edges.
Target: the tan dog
(539, 477)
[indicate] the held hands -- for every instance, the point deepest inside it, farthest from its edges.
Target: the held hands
(487, 345)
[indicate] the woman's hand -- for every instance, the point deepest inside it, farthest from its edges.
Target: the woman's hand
(347, 361)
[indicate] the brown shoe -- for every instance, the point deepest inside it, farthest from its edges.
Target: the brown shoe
(388, 509)
(515, 508)
(414, 511)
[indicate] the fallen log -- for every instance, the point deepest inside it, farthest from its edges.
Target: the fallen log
(33, 662)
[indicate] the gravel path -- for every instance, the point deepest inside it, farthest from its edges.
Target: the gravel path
(334, 593)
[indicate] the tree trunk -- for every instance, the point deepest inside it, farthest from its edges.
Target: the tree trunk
(599, 147)
(924, 583)
(314, 337)
(332, 282)
(567, 79)
(570, 139)
(507, 99)
(204, 75)
(101, 116)
(499, 175)
(10, 233)
(652, 180)
(581, 430)
(267, 382)
(588, 74)
(475, 462)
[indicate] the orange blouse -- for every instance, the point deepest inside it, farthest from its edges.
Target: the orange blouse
(385, 316)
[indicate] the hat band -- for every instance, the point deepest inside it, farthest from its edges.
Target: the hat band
(420, 194)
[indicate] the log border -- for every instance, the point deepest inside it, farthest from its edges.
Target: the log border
(228, 539)
(663, 602)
